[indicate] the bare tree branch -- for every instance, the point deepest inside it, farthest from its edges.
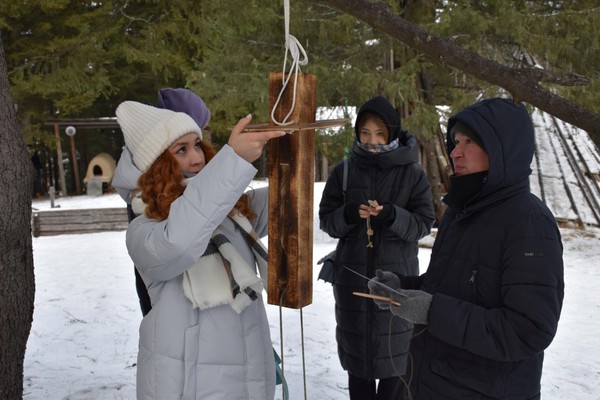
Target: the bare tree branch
(523, 84)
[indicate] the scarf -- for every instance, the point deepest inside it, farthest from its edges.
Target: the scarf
(379, 148)
(221, 276)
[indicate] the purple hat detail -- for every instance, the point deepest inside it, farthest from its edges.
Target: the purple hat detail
(186, 101)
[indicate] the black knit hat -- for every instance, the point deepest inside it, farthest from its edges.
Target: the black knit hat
(461, 127)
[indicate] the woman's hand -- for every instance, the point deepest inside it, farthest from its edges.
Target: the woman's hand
(249, 145)
(369, 210)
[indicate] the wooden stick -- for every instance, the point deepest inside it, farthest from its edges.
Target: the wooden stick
(321, 124)
(376, 297)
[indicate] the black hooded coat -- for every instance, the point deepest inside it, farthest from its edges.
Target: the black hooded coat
(496, 273)
(394, 179)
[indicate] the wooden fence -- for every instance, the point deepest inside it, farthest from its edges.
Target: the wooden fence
(59, 222)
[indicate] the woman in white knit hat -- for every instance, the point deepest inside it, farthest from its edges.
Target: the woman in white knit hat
(125, 180)
(196, 247)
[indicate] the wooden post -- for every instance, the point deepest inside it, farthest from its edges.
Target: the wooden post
(75, 165)
(52, 193)
(291, 195)
(61, 170)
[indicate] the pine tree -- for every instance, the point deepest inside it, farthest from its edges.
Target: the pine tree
(68, 58)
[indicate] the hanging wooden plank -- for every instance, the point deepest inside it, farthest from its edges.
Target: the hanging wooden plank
(291, 195)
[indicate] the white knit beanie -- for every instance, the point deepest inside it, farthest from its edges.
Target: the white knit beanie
(149, 131)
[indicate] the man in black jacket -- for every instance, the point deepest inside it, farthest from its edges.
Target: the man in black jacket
(492, 295)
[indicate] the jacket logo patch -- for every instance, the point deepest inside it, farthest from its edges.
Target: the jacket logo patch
(534, 254)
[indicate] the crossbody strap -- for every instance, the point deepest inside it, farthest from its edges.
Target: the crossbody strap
(345, 179)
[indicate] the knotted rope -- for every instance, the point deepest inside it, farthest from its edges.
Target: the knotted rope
(292, 46)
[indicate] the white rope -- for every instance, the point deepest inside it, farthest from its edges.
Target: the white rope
(293, 46)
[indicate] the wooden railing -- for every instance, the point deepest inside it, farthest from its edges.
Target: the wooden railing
(59, 222)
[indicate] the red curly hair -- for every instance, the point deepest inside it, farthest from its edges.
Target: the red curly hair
(162, 184)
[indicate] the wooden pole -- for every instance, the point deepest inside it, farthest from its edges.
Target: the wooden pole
(61, 170)
(75, 165)
(291, 195)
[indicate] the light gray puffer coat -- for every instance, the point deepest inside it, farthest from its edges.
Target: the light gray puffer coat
(187, 353)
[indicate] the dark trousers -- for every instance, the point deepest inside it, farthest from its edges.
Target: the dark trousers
(364, 389)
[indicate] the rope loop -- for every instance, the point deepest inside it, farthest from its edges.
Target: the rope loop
(292, 46)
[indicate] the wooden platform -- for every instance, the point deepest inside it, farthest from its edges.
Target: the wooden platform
(59, 222)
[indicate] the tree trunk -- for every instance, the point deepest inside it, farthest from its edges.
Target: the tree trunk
(324, 175)
(17, 286)
(435, 173)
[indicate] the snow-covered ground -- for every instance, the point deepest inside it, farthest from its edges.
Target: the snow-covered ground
(83, 341)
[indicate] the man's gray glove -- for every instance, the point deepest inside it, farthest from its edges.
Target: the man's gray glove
(379, 286)
(414, 307)
(414, 304)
